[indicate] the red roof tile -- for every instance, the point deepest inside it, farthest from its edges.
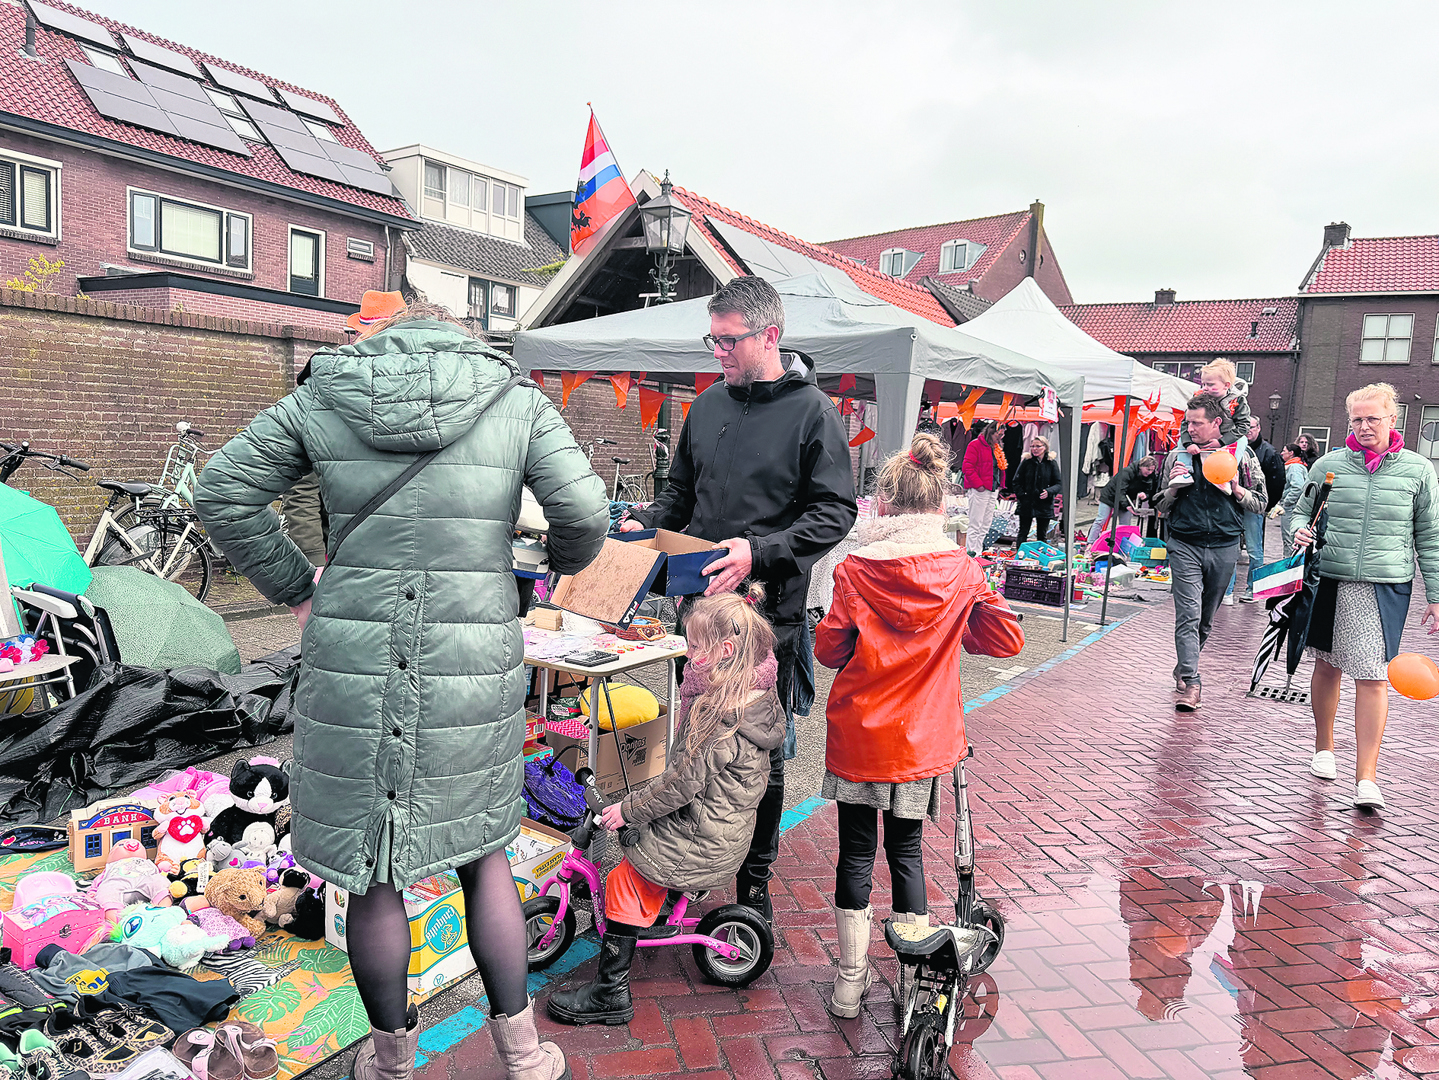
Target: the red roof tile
(996, 233)
(912, 298)
(1190, 326)
(46, 91)
(1379, 264)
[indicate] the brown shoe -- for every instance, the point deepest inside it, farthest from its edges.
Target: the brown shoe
(1180, 685)
(1188, 701)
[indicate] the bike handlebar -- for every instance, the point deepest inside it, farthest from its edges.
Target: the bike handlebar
(73, 464)
(24, 451)
(629, 835)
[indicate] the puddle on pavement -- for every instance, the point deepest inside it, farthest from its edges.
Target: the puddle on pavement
(1186, 977)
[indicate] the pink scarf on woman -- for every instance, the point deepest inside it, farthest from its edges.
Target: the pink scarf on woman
(1372, 458)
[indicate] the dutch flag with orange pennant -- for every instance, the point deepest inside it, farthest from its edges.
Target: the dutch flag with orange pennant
(602, 191)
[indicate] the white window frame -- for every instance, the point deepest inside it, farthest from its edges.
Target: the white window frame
(1403, 421)
(948, 263)
(1434, 356)
(20, 162)
(1428, 414)
(1319, 435)
(1387, 315)
(514, 300)
(103, 59)
(1176, 368)
(190, 260)
(906, 264)
(290, 230)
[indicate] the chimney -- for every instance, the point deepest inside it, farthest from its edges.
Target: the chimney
(1036, 235)
(1163, 296)
(1336, 234)
(30, 34)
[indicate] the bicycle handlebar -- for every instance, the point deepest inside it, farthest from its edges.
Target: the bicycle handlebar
(73, 464)
(24, 451)
(629, 835)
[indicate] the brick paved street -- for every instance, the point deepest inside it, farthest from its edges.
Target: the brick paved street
(1184, 900)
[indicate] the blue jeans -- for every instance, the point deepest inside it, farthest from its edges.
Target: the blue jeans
(1254, 544)
(1101, 522)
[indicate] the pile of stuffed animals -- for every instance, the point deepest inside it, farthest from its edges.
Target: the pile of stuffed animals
(222, 871)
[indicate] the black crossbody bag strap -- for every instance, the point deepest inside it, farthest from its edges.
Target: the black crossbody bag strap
(411, 470)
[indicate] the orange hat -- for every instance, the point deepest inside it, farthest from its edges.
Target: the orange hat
(375, 308)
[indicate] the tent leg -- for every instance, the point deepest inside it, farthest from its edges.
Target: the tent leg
(1074, 418)
(1114, 511)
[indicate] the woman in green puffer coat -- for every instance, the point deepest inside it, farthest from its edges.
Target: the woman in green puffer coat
(1383, 514)
(410, 728)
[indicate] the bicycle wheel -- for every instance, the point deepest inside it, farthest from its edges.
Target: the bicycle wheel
(631, 491)
(923, 1053)
(988, 916)
(746, 930)
(184, 558)
(540, 915)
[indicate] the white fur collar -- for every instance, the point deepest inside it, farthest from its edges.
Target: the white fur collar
(896, 535)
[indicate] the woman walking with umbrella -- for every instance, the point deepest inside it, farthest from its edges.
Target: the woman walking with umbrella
(1383, 513)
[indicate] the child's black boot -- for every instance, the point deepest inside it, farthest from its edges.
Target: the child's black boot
(607, 999)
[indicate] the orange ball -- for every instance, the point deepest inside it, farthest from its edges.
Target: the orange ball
(1220, 467)
(1414, 676)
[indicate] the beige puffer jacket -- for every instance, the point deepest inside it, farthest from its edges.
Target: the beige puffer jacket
(696, 819)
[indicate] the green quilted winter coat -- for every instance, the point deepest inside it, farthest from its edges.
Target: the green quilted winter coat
(409, 739)
(1378, 522)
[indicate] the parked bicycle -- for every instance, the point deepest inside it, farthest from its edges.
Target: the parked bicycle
(135, 529)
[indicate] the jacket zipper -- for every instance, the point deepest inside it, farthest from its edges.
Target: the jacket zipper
(1364, 528)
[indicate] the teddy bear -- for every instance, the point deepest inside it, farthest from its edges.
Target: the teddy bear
(129, 878)
(167, 932)
(295, 905)
(239, 894)
(259, 787)
(180, 830)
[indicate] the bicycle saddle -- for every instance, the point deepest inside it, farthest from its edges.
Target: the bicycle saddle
(944, 947)
(126, 488)
(620, 460)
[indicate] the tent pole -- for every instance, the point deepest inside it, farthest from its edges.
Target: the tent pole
(1071, 476)
(1114, 510)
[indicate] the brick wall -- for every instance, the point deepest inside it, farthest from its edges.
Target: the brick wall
(94, 225)
(106, 383)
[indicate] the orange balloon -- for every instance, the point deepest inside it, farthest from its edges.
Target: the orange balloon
(1220, 467)
(1414, 676)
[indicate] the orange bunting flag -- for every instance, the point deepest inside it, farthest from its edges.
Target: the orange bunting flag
(865, 434)
(703, 382)
(966, 411)
(539, 377)
(1129, 438)
(568, 381)
(685, 410)
(1006, 406)
(635, 380)
(1119, 400)
(622, 390)
(650, 402)
(1152, 403)
(846, 383)
(933, 388)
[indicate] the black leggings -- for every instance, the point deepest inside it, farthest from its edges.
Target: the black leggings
(858, 841)
(1041, 525)
(378, 932)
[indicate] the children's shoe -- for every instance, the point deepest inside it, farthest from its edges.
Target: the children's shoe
(607, 999)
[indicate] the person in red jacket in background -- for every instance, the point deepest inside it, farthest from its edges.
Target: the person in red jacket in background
(904, 605)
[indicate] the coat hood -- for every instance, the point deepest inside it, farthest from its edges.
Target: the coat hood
(413, 388)
(798, 372)
(912, 592)
(763, 722)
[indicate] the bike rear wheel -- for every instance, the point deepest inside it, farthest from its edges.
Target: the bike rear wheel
(923, 1054)
(172, 553)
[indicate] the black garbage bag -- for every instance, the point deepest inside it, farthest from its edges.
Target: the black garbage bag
(135, 724)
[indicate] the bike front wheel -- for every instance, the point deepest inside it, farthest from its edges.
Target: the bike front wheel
(539, 917)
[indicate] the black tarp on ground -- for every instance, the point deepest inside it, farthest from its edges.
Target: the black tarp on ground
(133, 725)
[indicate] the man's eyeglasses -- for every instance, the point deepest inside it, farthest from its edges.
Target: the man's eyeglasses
(727, 344)
(1358, 422)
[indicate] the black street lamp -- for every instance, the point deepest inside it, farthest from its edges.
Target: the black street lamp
(1274, 400)
(666, 222)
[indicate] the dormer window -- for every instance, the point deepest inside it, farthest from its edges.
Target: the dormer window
(896, 262)
(958, 255)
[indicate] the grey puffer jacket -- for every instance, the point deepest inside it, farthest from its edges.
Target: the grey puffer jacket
(408, 744)
(697, 818)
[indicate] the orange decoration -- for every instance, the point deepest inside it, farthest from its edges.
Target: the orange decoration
(1220, 467)
(1119, 400)
(568, 381)
(685, 410)
(946, 410)
(966, 411)
(1415, 676)
(538, 376)
(1006, 406)
(650, 402)
(846, 383)
(621, 384)
(704, 382)
(865, 434)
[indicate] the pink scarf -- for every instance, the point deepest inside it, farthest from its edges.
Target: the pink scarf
(765, 676)
(1372, 458)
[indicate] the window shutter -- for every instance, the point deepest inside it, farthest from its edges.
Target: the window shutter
(7, 193)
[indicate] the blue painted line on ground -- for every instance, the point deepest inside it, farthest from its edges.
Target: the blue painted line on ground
(444, 1035)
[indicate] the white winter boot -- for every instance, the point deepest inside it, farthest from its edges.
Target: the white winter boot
(906, 971)
(855, 974)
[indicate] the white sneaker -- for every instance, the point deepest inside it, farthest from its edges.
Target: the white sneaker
(1367, 793)
(1322, 764)
(1228, 600)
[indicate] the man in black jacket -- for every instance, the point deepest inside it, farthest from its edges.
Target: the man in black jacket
(761, 468)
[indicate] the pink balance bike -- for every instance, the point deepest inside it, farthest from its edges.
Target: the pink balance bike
(733, 945)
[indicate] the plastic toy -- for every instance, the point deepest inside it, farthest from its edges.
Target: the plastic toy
(239, 894)
(97, 829)
(259, 787)
(180, 832)
(48, 909)
(129, 878)
(167, 931)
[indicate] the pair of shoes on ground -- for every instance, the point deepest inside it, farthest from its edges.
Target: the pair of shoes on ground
(38, 1059)
(1366, 792)
(390, 1055)
(237, 1050)
(107, 1042)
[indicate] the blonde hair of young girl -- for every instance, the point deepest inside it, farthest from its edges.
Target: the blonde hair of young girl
(713, 620)
(912, 481)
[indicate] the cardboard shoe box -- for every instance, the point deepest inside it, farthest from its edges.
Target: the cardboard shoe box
(644, 749)
(612, 588)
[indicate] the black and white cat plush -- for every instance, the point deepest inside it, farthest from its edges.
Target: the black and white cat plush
(260, 787)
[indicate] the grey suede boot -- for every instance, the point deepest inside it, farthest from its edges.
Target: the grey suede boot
(389, 1055)
(524, 1056)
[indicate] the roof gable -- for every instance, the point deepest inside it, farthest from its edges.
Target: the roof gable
(1377, 265)
(996, 233)
(45, 91)
(911, 297)
(1191, 326)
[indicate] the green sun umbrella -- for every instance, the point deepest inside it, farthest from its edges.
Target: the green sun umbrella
(37, 546)
(159, 625)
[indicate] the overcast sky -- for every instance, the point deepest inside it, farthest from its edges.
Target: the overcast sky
(1201, 147)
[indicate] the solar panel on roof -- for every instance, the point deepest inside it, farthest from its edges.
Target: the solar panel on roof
(304, 153)
(158, 54)
(73, 25)
(162, 102)
(240, 84)
(309, 106)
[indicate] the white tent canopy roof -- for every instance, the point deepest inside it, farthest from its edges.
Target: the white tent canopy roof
(1026, 320)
